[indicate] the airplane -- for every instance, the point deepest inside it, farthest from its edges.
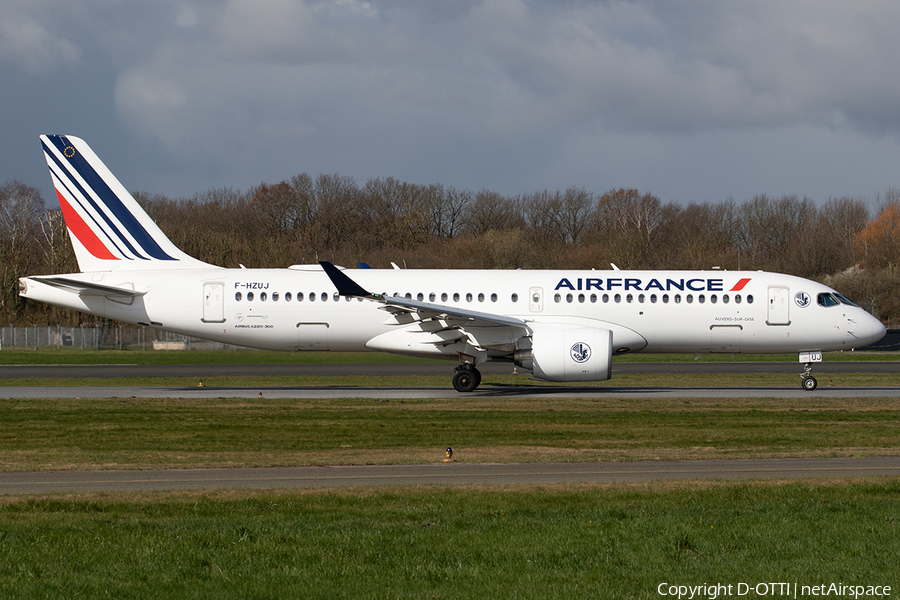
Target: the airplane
(561, 325)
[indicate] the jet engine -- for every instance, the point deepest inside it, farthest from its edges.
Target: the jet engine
(575, 354)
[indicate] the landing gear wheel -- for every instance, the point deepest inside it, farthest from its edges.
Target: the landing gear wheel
(465, 380)
(807, 381)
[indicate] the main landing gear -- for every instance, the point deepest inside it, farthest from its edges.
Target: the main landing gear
(807, 381)
(466, 378)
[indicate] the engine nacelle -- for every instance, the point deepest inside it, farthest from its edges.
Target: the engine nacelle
(575, 354)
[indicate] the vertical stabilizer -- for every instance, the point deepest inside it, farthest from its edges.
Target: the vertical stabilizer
(108, 228)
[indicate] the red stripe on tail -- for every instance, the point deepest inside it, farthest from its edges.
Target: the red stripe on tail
(83, 232)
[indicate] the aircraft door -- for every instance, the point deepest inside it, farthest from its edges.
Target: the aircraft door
(779, 306)
(213, 303)
(536, 299)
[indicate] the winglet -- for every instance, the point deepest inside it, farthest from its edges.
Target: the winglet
(345, 286)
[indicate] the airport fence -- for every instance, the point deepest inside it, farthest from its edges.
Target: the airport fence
(97, 337)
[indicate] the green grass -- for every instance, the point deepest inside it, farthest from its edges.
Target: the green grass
(76, 356)
(179, 433)
(542, 543)
(602, 541)
(53, 356)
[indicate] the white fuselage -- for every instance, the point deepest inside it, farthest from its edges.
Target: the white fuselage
(647, 311)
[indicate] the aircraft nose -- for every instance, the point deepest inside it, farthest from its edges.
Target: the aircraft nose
(876, 329)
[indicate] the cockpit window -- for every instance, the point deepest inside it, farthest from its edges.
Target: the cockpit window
(845, 300)
(826, 299)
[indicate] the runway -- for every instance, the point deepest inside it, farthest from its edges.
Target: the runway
(449, 474)
(526, 390)
(418, 368)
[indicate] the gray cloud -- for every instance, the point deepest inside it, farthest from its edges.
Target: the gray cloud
(690, 101)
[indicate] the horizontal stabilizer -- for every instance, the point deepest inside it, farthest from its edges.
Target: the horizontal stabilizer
(87, 288)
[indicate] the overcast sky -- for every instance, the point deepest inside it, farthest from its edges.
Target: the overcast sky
(699, 100)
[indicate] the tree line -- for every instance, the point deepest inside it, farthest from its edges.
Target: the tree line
(331, 217)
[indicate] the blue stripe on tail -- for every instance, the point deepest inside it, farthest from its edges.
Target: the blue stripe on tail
(109, 198)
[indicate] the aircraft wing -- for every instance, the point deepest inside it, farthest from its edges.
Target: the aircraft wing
(424, 310)
(87, 288)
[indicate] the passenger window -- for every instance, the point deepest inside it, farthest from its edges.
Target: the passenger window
(605, 298)
(431, 297)
(456, 297)
(652, 298)
(569, 298)
(641, 298)
(420, 296)
(287, 296)
(249, 296)
(514, 297)
(312, 296)
(324, 296)
(701, 298)
(481, 297)
(725, 299)
(618, 298)
(237, 296)
(263, 296)
(677, 298)
(581, 298)
(493, 297)
(274, 296)
(336, 297)
(299, 296)
(593, 298)
(469, 297)
(557, 298)
(713, 298)
(737, 298)
(689, 298)
(749, 298)
(444, 297)
(629, 298)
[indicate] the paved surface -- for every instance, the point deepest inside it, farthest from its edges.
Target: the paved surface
(442, 474)
(526, 390)
(434, 368)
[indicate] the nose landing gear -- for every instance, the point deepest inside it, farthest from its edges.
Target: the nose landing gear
(466, 378)
(807, 381)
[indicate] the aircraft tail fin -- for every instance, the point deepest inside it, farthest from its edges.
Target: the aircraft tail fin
(108, 228)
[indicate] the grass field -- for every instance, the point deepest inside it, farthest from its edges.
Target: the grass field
(162, 433)
(611, 541)
(544, 543)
